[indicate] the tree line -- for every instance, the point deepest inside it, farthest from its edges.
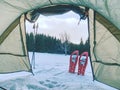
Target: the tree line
(45, 43)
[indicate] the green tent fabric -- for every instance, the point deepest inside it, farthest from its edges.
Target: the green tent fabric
(104, 32)
(105, 47)
(13, 52)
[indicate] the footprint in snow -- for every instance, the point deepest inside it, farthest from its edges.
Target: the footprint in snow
(51, 84)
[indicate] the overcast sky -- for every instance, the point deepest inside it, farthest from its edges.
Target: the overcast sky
(59, 24)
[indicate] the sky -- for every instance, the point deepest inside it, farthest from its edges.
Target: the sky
(59, 24)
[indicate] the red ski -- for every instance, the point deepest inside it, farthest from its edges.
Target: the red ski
(73, 61)
(82, 63)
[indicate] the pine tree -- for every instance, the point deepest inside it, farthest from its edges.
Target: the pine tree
(31, 42)
(81, 46)
(87, 46)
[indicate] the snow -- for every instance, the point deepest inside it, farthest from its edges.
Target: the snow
(51, 73)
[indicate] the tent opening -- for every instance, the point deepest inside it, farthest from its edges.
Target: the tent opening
(50, 34)
(62, 32)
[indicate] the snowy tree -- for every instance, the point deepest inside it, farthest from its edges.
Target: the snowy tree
(65, 42)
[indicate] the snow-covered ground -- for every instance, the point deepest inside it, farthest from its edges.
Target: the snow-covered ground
(51, 73)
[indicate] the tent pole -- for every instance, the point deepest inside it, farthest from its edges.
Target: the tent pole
(33, 54)
(94, 42)
(35, 27)
(88, 20)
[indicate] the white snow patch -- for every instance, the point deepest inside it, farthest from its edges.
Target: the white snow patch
(51, 73)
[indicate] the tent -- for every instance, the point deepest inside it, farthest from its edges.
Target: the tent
(104, 33)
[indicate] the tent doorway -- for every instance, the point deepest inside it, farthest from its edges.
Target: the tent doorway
(53, 27)
(58, 34)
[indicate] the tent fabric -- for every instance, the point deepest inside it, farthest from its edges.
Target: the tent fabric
(106, 48)
(15, 8)
(13, 52)
(33, 15)
(104, 35)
